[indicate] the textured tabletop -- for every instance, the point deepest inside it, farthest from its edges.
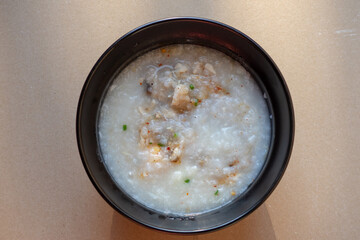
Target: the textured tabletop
(47, 49)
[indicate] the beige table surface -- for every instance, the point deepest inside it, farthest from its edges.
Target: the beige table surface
(47, 48)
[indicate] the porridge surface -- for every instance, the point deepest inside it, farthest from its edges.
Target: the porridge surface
(184, 129)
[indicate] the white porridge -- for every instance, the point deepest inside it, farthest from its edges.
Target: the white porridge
(184, 129)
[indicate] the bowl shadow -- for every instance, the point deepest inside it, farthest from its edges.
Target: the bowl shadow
(257, 225)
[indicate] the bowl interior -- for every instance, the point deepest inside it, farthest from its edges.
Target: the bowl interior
(180, 31)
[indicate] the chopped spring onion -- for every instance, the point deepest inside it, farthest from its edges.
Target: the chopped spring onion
(216, 193)
(161, 145)
(191, 87)
(124, 127)
(187, 180)
(196, 102)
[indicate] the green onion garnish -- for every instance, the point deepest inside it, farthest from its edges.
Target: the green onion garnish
(161, 145)
(191, 87)
(124, 127)
(196, 102)
(216, 193)
(175, 135)
(187, 180)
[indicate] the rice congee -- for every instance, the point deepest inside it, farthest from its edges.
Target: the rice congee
(184, 129)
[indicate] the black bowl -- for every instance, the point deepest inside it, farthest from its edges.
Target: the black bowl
(202, 32)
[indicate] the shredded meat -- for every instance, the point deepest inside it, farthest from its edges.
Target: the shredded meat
(181, 99)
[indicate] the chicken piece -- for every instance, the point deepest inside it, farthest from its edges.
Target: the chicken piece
(180, 69)
(181, 99)
(176, 153)
(155, 154)
(159, 84)
(199, 68)
(210, 69)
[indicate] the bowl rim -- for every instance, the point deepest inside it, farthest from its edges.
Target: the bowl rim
(264, 54)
